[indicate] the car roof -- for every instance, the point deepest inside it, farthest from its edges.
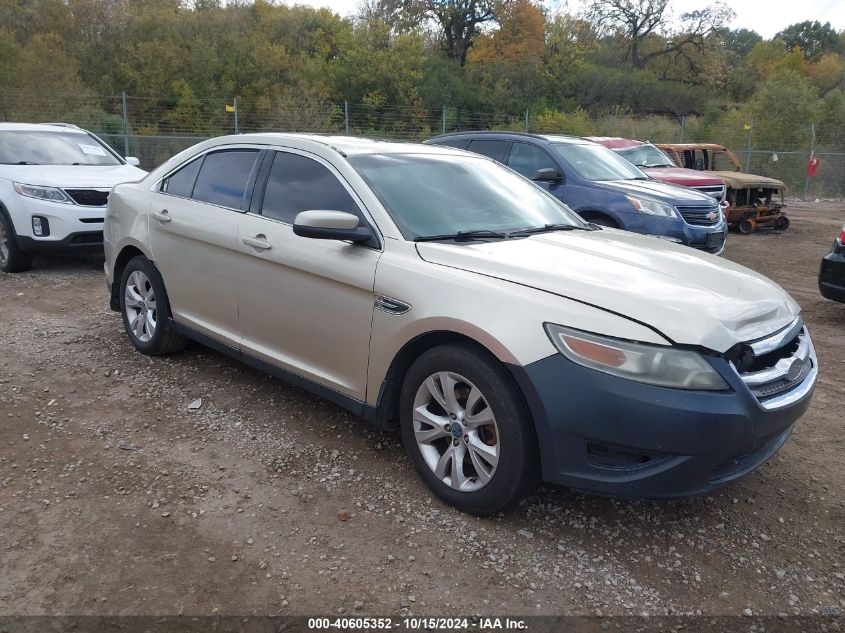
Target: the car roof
(549, 138)
(682, 146)
(615, 142)
(42, 127)
(346, 145)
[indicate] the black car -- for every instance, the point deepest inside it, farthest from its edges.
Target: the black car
(832, 271)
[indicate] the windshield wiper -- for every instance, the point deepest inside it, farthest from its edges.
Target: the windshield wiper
(20, 162)
(548, 228)
(463, 236)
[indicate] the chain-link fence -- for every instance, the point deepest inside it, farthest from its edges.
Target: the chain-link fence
(155, 129)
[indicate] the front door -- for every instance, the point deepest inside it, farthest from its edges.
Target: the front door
(528, 160)
(306, 305)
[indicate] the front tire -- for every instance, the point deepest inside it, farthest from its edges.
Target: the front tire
(467, 430)
(146, 310)
(12, 258)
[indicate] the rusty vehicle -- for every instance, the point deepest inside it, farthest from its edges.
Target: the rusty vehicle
(752, 200)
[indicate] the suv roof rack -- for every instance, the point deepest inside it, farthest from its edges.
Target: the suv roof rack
(526, 134)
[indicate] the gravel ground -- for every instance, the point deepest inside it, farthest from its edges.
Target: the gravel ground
(118, 497)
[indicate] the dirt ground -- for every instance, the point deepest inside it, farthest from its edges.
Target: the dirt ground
(115, 498)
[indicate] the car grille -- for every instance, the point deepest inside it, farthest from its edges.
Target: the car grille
(701, 216)
(716, 191)
(89, 197)
(781, 368)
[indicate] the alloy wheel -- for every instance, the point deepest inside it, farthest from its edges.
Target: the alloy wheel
(4, 243)
(140, 306)
(456, 432)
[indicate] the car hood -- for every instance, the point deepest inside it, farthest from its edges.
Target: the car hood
(72, 176)
(739, 180)
(681, 176)
(661, 191)
(692, 298)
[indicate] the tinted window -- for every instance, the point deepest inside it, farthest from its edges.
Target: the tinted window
(299, 184)
(493, 149)
(527, 159)
(459, 143)
(181, 183)
(595, 162)
(224, 176)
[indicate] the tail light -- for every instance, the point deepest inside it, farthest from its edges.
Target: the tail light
(842, 234)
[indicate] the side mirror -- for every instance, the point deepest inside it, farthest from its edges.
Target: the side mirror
(131, 160)
(331, 225)
(548, 174)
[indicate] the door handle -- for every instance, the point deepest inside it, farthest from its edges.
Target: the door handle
(162, 216)
(259, 242)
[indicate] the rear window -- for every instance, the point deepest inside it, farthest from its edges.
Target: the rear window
(223, 177)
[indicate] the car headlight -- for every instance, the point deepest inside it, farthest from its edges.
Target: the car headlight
(42, 193)
(652, 207)
(652, 364)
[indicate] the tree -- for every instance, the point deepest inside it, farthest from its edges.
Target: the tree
(813, 37)
(459, 21)
(641, 20)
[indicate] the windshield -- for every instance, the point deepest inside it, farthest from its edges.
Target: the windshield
(645, 156)
(596, 162)
(430, 195)
(19, 147)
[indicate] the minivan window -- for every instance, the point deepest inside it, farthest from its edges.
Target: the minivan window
(24, 147)
(527, 159)
(223, 178)
(181, 182)
(596, 162)
(490, 148)
(442, 194)
(297, 184)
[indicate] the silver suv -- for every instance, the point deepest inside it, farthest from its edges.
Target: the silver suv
(435, 291)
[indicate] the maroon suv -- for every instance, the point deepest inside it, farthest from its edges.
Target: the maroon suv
(658, 166)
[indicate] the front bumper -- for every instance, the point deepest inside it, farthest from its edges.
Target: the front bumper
(832, 273)
(710, 239)
(68, 227)
(621, 438)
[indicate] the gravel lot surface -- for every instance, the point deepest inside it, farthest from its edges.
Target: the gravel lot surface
(118, 497)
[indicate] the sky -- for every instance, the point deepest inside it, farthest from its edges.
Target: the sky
(767, 17)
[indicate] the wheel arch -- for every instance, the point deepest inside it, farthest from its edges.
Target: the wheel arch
(592, 214)
(123, 257)
(385, 414)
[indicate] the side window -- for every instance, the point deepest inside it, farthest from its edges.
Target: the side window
(181, 183)
(297, 184)
(527, 159)
(224, 177)
(458, 143)
(492, 149)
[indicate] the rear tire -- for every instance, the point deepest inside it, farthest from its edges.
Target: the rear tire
(146, 310)
(489, 460)
(12, 258)
(748, 225)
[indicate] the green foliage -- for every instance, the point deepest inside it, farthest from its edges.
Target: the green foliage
(812, 37)
(577, 123)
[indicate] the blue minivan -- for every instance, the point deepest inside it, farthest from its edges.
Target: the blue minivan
(601, 186)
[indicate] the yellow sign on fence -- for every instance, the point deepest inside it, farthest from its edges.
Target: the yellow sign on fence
(230, 108)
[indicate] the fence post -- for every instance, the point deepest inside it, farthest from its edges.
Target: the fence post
(683, 121)
(526, 119)
(812, 153)
(125, 125)
(748, 147)
(346, 116)
(444, 118)
(235, 108)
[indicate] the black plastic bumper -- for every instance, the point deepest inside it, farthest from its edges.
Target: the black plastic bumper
(621, 438)
(832, 273)
(75, 242)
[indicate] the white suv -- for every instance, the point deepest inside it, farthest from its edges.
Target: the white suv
(54, 185)
(434, 290)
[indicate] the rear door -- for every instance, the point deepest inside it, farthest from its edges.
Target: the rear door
(193, 223)
(306, 305)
